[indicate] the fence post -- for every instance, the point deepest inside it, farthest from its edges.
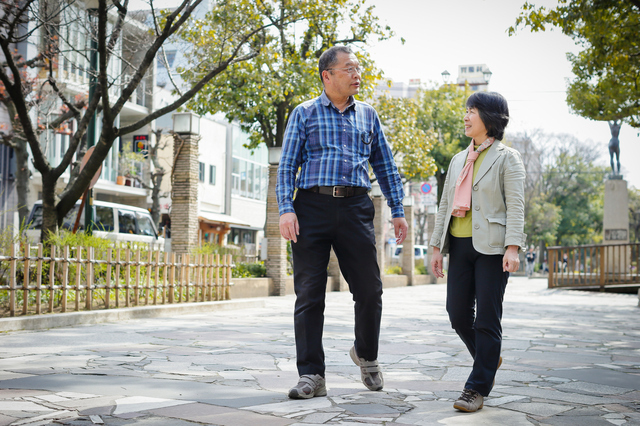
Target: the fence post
(107, 289)
(39, 281)
(227, 295)
(551, 266)
(127, 277)
(117, 277)
(12, 279)
(217, 297)
(65, 277)
(25, 279)
(172, 276)
(52, 277)
(602, 250)
(89, 296)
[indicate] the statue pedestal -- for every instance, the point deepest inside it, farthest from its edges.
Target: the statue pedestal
(616, 225)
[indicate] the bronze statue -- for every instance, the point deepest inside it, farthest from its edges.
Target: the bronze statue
(614, 146)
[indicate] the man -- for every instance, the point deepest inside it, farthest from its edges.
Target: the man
(530, 258)
(333, 139)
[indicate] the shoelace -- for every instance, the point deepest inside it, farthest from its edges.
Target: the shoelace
(468, 395)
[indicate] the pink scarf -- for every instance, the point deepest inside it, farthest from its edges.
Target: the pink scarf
(462, 197)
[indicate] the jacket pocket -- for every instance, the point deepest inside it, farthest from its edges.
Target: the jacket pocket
(497, 230)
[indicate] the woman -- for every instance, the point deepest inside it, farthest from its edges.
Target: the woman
(480, 223)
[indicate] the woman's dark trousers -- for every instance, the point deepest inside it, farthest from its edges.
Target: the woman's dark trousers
(476, 280)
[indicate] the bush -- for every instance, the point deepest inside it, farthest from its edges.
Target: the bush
(393, 270)
(249, 270)
(421, 270)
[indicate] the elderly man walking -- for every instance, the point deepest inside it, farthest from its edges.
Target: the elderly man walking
(333, 139)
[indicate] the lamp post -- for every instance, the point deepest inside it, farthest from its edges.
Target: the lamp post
(445, 76)
(184, 182)
(486, 74)
(92, 9)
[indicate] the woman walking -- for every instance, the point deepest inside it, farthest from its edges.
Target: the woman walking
(480, 224)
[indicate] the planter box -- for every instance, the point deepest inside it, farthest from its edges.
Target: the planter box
(389, 281)
(249, 287)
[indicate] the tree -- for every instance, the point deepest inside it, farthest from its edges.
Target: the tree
(411, 146)
(442, 112)
(262, 92)
(575, 184)
(634, 215)
(231, 32)
(606, 70)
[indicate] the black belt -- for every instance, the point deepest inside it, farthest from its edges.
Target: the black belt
(338, 191)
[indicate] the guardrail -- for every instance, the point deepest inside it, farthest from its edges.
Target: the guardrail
(594, 266)
(33, 281)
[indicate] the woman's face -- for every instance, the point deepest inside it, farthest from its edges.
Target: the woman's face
(474, 127)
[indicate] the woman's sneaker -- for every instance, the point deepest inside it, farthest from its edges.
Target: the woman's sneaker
(470, 401)
(309, 385)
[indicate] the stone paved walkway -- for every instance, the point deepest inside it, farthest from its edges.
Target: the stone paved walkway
(570, 358)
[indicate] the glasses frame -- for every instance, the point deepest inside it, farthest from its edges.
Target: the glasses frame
(355, 70)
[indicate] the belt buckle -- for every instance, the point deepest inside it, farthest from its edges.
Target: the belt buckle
(335, 192)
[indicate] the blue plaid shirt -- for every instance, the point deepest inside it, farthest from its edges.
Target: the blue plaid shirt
(335, 148)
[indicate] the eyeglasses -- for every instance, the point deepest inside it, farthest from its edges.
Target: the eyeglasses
(350, 70)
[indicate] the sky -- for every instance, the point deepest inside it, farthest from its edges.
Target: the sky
(530, 69)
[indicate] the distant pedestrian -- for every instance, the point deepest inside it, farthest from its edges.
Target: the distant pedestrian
(531, 260)
(480, 223)
(333, 139)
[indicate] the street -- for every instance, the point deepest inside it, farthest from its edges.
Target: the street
(570, 358)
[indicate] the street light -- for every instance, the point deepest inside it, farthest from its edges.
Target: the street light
(487, 75)
(445, 76)
(186, 123)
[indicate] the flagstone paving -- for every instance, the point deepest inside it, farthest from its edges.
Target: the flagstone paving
(570, 358)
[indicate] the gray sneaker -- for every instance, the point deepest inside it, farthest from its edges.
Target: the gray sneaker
(309, 385)
(470, 401)
(370, 371)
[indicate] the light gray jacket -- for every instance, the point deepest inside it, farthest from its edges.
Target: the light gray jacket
(497, 202)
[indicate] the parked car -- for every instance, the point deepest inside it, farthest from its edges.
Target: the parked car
(419, 252)
(116, 222)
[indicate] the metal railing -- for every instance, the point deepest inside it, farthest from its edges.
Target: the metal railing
(75, 278)
(594, 266)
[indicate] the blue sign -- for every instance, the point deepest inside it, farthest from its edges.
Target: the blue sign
(425, 188)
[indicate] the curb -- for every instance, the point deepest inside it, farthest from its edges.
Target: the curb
(45, 321)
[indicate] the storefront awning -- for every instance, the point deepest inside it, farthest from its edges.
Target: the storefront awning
(221, 218)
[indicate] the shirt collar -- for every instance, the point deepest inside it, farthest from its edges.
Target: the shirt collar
(326, 101)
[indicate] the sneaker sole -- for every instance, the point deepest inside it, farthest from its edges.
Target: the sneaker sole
(466, 410)
(295, 395)
(356, 361)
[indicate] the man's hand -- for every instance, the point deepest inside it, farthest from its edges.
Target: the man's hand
(289, 227)
(400, 227)
(510, 260)
(436, 263)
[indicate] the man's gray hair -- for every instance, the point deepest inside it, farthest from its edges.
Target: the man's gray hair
(330, 56)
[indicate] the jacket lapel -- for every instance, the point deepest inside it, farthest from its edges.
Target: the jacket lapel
(492, 155)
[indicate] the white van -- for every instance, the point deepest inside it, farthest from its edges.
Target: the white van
(419, 252)
(116, 222)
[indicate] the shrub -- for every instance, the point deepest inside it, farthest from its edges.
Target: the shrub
(393, 270)
(421, 270)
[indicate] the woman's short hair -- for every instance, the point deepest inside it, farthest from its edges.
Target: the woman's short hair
(330, 57)
(493, 110)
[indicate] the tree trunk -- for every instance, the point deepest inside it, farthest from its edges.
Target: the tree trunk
(440, 178)
(22, 179)
(50, 221)
(156, 180)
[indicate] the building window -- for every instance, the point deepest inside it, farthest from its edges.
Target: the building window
(201, 172)
(470, 69)
(463, 69)
(212, 175)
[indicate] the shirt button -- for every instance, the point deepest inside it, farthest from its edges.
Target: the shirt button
(475, 188)
(476, 226)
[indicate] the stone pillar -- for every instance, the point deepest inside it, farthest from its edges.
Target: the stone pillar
(408, 260)
(378, 224)
(431, 223)
(184, 194)
(616, 223)
(276, 262)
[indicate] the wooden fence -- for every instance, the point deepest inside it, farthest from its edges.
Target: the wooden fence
(33, 281)
(594, 266)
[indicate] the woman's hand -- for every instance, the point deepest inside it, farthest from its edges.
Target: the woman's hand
(511, 261)
(436, 263)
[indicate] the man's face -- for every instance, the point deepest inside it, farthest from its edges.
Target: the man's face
(344, 77)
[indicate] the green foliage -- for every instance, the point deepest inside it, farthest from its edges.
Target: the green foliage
(634, 215)
(249, 270)
(442, 113)
(261, 93)
(606, 84)
(421, 270)
(575, 185)
(411, 145)
(542, 221)
(393, 270)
